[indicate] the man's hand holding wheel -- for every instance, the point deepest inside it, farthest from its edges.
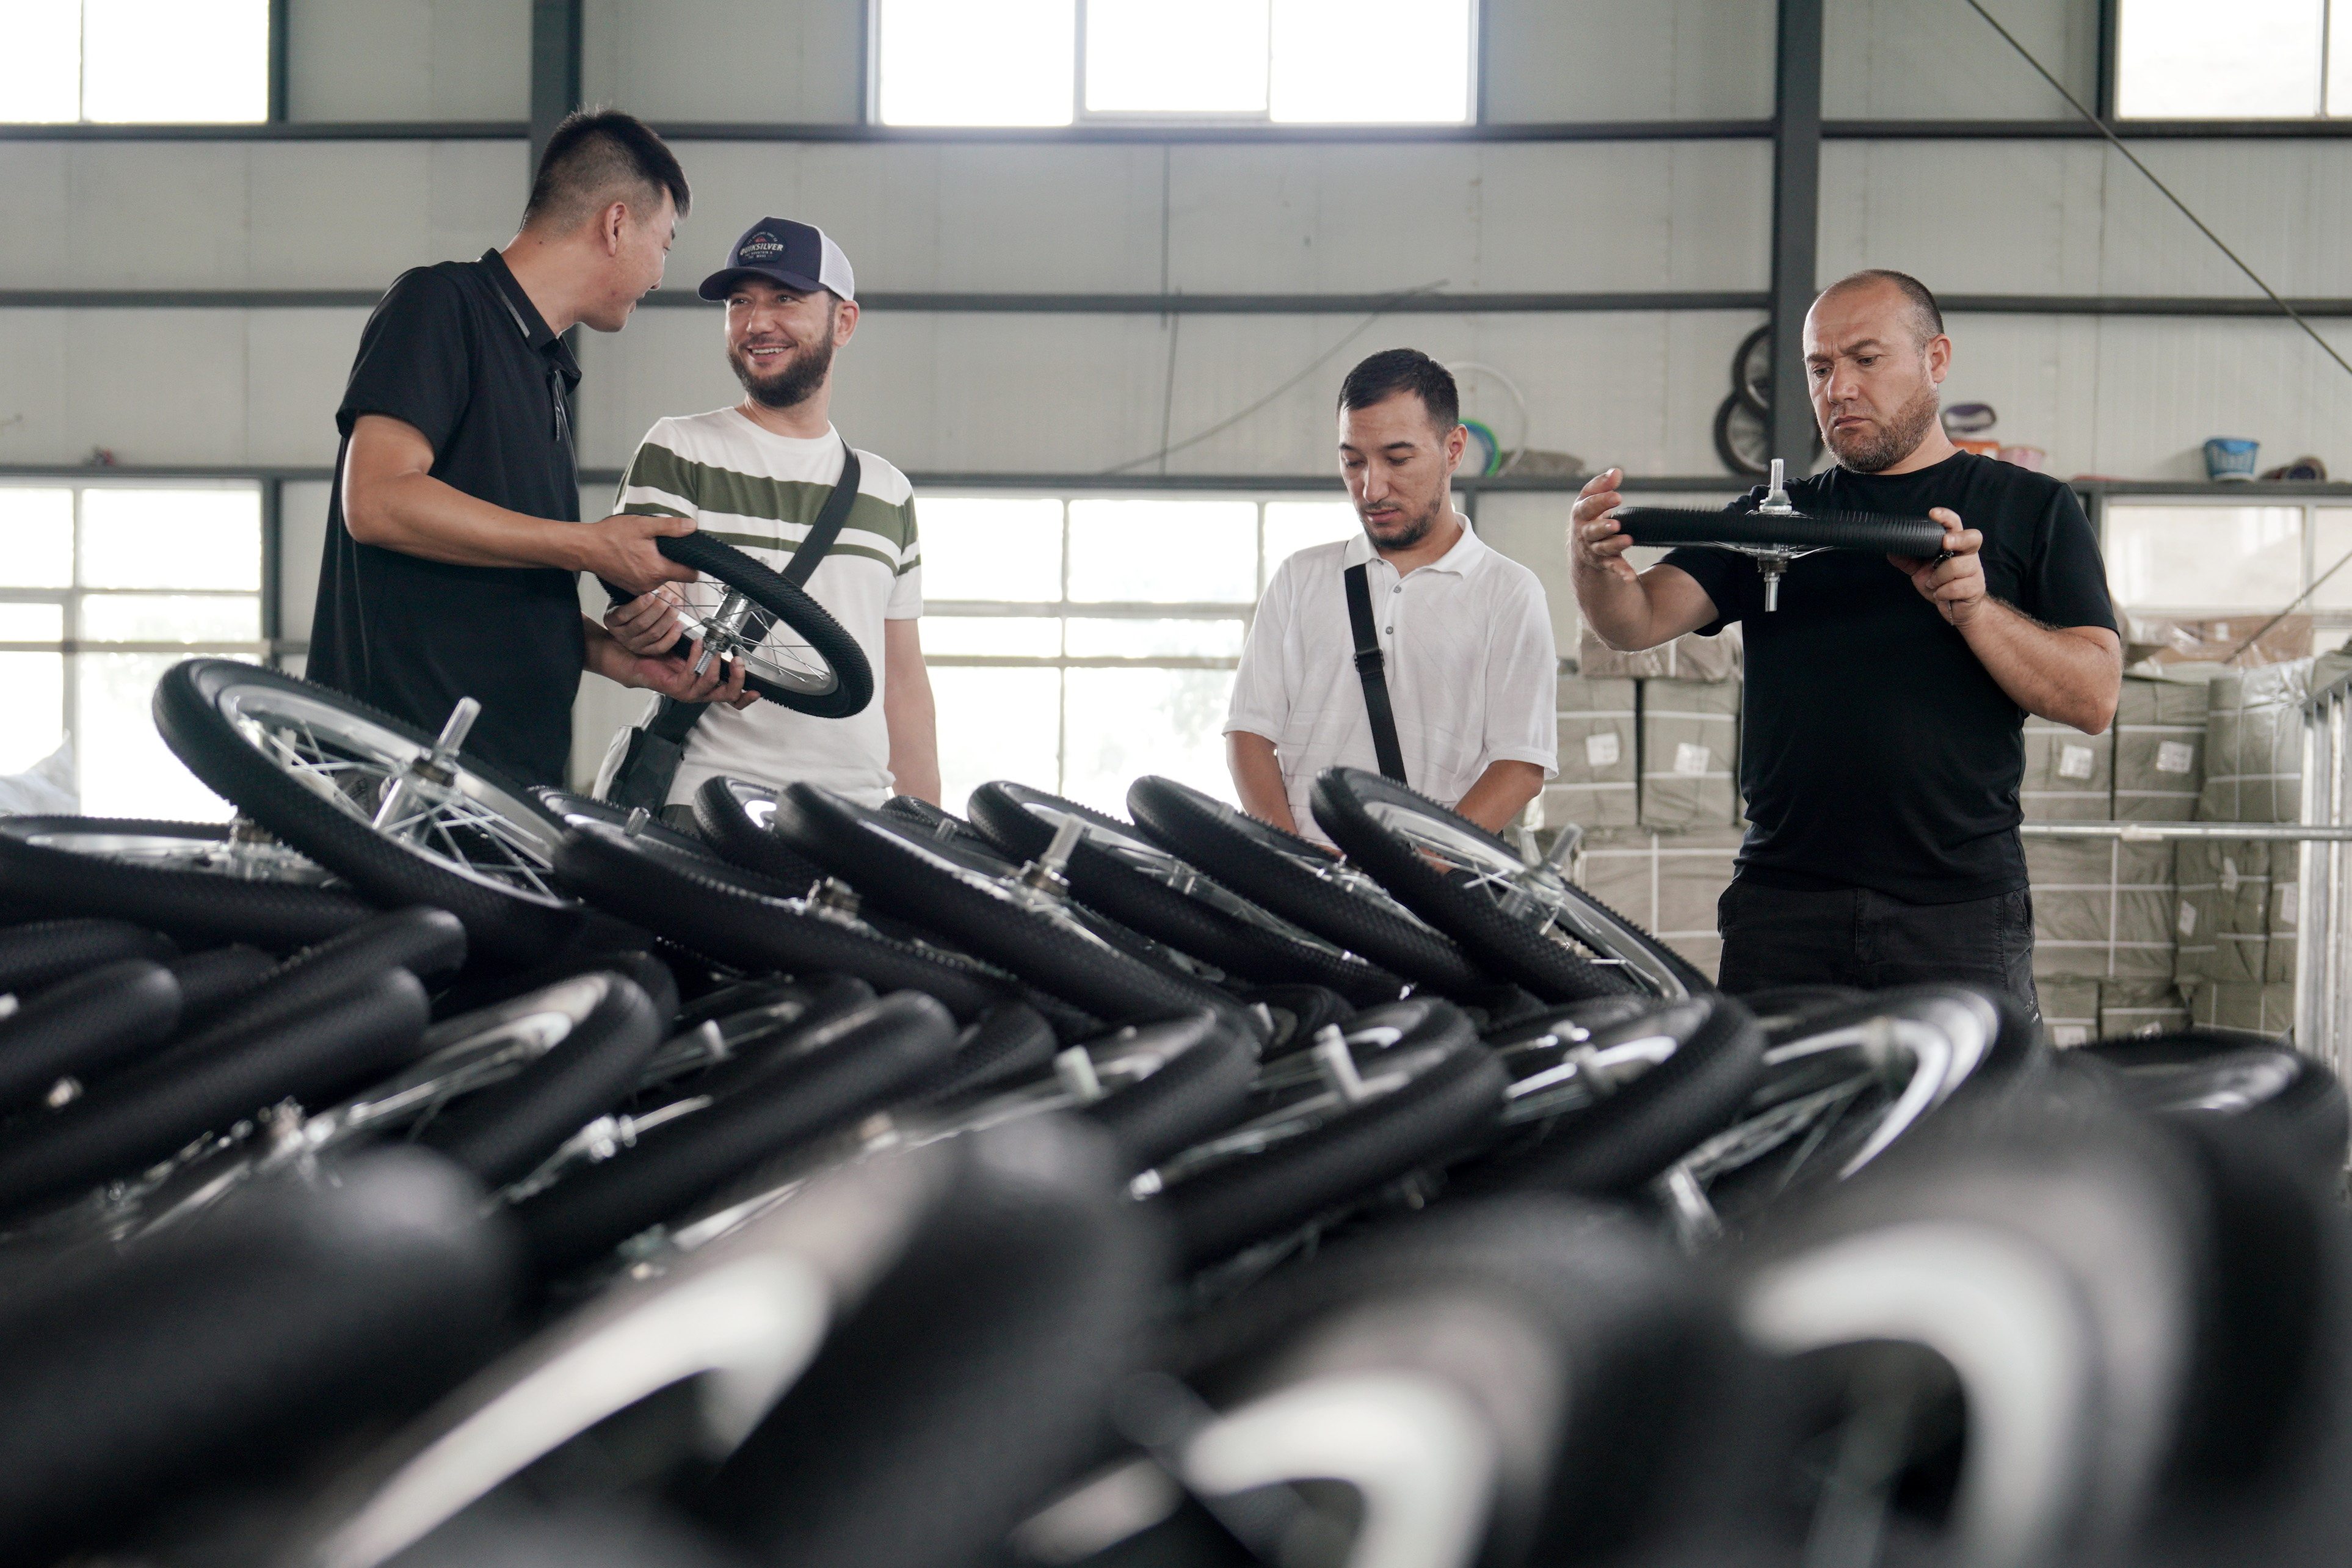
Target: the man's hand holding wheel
(621, 550)
(1597, 543)
(1954, 582)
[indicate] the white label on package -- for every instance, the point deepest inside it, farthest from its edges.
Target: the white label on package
(1691, 760)
(2175, 756)
(2070, 1035)
(2188, 921)
(2229, 875)
(2290, 902)
(1601, 751)
(2073, 762)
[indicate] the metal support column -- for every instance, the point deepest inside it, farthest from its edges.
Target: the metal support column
(1796, 222)
(554, 68)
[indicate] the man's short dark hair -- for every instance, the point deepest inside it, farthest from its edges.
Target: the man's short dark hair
(1927, 316)
(600, 155)
(1392, 371)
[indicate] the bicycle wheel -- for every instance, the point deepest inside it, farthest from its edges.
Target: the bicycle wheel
(1319, 1144)
(1527, 921)
(1600, 1107)
(1870, 531)
(969, 893)
(739, 819)
(404, 818)
(205, 883)
(84, 1026)
(741, 918)
(794, 652)
(2233, 1073)
(1303, 883)
(569, 808)
(36, 956)
(1119, 871)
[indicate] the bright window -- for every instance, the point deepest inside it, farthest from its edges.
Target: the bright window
(134, 61)
(2253, 60)
(1075, 645)
(104, 588)
(1021, 62)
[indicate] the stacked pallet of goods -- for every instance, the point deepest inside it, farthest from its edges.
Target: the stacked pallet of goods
(1649, 767)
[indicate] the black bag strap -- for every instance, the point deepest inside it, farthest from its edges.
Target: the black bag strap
(1372, 669)
(673, 721)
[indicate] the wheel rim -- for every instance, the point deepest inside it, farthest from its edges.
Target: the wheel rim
(1571, 1067)
(451, 816)
(1301, 1105)
(1535, 896)
(730, 626)
(232, 857)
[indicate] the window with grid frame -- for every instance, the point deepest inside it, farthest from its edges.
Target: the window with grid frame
(2189, 559)
(1076, 643)
(1060, 62)
(2255, 60)
(104, 586)
(134, 61)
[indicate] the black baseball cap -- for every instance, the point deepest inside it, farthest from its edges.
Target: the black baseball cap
(796, 255)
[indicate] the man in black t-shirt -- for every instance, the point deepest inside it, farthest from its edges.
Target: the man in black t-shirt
(454, 543)
(1885, 700)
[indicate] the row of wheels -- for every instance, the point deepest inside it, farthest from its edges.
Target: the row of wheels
(425, 1169)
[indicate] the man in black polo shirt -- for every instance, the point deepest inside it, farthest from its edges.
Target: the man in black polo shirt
(454, 538)
(1886, 697)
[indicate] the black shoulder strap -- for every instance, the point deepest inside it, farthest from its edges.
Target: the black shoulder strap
(1372, 669)
(674, 719)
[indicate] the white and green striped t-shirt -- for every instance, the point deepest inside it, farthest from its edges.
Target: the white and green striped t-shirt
(761, 493)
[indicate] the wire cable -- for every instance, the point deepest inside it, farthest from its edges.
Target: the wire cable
(2117, 141)
(1222, 425)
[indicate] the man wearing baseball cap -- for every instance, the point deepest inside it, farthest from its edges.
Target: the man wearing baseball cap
(757, 475)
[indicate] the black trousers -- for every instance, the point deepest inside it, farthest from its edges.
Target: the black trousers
(1775, 936)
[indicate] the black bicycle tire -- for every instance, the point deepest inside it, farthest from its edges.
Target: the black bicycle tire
(1190, 825)
(1742, 387)
(644, 969)
(1727, 451)
(853, 677)
(1621, 1142)
(742, 919)
(500, 923)
(938, 818)
(570, 808)
(863, 1062)
(1449, 1106)
(202, 908)
(722, 810)
(37, 955)
(1512, 949)
(85, 1027)
(502, 1133)
(1114, 985)
(2310, 1112)
(1672, 525)
(1009, 1042)
(152, 1111)
(1197, 1092)
(1300, 1012)
(215, 979)
(424, 943)
(1244, 952)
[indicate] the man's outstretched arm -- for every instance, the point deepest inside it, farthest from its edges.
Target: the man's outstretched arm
(1625, 609)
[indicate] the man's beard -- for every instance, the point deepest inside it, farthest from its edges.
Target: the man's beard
(1411, 533)
(790, 386)
(1885, 445)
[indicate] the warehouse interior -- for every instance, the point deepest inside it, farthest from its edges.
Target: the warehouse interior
(1103, 328)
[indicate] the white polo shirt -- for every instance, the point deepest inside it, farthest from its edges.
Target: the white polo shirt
(1472, 672)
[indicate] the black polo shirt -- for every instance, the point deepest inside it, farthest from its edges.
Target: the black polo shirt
(457, 351)
(1877, 752)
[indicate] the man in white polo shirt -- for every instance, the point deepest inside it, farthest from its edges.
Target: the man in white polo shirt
(1467, 661)
(756, 475)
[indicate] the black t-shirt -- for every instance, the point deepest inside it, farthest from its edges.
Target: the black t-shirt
(1877, 752)
(457, 351)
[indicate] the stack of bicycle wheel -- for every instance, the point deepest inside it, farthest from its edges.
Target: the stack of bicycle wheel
(423, 1169)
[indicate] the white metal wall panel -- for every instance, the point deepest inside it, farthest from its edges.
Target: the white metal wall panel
(408, 59)
(1604, 59)
(726, 60)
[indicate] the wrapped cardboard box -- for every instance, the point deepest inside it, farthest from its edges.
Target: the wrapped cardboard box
(2165, 640)
(2069, 776)
(2102, 910)
(1691, 658)
(2242, 1005)
(2286, 907)
(1600, 760)
(2070, 1009)
(2222, 913)
(1690, 761)
(2139, 1007)
(1667, 882)
(2160, 735)
(2253, 745)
